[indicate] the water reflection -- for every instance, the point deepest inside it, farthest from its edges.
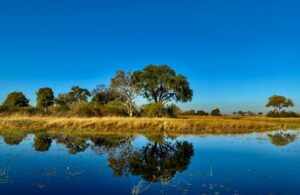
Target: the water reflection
(149, 163)
(156, 161)
(282, 139)
(42, 142)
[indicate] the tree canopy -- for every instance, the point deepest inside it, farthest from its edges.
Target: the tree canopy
(16, 99)
(216, 112)
(45, 98)
(279, 102)
(162, 84)
(76, 95)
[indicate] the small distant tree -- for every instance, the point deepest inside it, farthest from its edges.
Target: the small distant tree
(216, 112)
(126, 90)
(45, 98)
(162, 84)
(16, 99)
(202, 113)
(279, 102)
(260, 114)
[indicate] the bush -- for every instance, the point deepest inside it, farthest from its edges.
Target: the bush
(153, 110)
(82, 109)
(172, 111)
(283, 114)
(11, 110)
(59, 110)
(113, 108)
(202, 113)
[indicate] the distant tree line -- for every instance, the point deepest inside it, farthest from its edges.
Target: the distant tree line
(160, 85)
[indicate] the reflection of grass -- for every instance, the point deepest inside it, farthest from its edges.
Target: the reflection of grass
(197, 125)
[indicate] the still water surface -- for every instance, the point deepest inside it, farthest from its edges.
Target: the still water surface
(267, 163)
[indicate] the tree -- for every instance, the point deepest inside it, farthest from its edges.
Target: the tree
(162, 84)
(79, 94)
(45, 98)
(16, 99)
(202, 113)
(76, 95)
(216, 112)
(126, 90)
(102, 95)
(279, 102)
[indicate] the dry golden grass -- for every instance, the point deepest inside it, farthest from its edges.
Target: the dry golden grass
(186, 125)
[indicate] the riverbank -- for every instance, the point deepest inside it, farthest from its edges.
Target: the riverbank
(187, 125)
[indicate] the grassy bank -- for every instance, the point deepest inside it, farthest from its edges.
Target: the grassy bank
(187, 125)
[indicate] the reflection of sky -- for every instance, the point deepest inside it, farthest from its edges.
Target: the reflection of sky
(226, 164)
(236, 54)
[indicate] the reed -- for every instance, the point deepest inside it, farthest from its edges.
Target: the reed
(187, 125)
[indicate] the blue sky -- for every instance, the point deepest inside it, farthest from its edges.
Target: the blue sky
(235, 53)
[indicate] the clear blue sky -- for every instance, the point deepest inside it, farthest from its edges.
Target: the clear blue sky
(235, 53)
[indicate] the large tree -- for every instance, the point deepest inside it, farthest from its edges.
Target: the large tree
(45, 98)
(279, 102)
(162, 84)
(16, 99)
(126, 90)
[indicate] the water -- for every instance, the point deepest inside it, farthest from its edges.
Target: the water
(266, 163)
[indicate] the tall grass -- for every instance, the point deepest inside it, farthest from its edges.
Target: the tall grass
(193, 125)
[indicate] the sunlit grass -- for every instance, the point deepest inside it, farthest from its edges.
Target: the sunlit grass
(196, 125)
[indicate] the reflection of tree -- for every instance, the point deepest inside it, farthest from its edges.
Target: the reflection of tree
(13, 138)
(153, 162)
(282, 139)
(105, 144)
(75, 144)
(42, 142)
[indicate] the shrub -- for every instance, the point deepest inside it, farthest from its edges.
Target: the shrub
(172, 110)
(202, 113)
(113, 108)
(82, 109)
(282, 114)
(10, 110)
(61, 110)
(153, 110)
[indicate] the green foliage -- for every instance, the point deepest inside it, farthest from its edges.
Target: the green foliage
(126, 90)
(59, 110)
(83, 109)
(102, 95)
(172, 111)
(216, 112)
(282, 114)
(162, 84)
(202, 113)
(26, 111)
(76, 95)
(279, 102)
(155, 109)
(114, 108)
(45, 98)
(16, 99)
